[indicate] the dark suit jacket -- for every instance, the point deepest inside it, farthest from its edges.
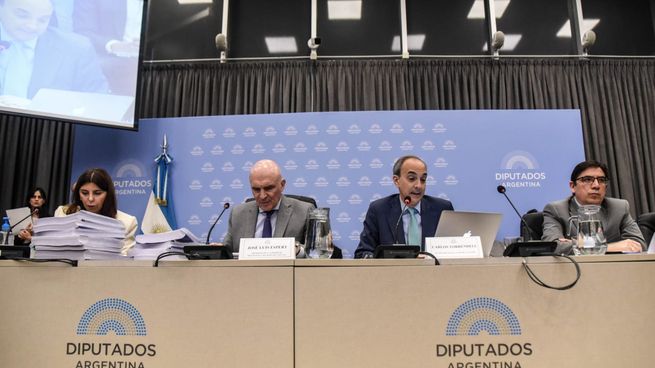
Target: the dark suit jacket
(66, 61)
(614, 215)
(382, 216)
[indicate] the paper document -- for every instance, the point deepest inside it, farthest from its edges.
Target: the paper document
(19, 218)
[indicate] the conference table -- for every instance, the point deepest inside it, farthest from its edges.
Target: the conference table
(328, 313)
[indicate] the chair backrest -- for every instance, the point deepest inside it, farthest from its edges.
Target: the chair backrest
(535, 221)
(309, 200)
(647, 225)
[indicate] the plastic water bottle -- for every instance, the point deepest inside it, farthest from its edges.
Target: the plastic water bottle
(7, 236)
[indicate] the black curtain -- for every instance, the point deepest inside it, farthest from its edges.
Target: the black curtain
(34, 152)
(616, 98)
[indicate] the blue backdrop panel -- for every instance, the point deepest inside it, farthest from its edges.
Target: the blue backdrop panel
(344, 160)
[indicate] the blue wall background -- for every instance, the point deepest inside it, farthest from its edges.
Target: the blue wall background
(343, 159)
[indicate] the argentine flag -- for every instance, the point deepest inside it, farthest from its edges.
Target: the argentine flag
(159, 216)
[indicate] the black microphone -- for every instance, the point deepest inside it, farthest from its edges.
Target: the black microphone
(501, 189)
(34, 211)
(407, 200)
(226, 205)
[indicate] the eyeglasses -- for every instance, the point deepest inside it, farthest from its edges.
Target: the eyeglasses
(588, 180)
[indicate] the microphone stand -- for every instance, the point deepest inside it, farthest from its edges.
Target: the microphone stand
(226, 205)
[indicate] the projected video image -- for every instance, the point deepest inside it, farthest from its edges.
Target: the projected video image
(71, 59)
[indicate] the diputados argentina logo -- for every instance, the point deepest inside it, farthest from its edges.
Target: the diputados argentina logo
(488, 337)
(117, 324)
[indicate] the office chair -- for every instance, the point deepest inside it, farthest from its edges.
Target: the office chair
(646, 223)
(535, 220)
(294, 196)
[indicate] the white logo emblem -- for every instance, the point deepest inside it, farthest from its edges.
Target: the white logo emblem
(197, 151)
(343, 182)
(209, 134)
(396, 129)
(217, 150)
(375, 129)
(216, 184)
(300, 148)
(229, 133)
(451, 180)
(290, 165)
(207, 167)
(332, 130)
(428, 146)
(247, 166)
(386, 182)
(258, 149)
(311, 165)
(343, 147)
(194, 220)
(300, 183)
(364, 146)
(312, 130)
(354, 164)
(321, 182)
(228, 167)
(249, 132)
(333, 200)
(355, 199)
(206, 202)
(449, 145)
(195, 185)
(290, 131)
(236, 184)
(406, 146)
(279, 148)
(354, 235)
(333, 164)
(385, 146)
(441, 162)
(418, 128)
(354, 129)
(364, 181)
(270, 132)
(438, 128)
(237, 149)
(343, 218)
(321, 147)
(376, 163)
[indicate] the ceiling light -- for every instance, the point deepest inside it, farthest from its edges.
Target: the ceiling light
(477, 10)
(587, 24)
(185, 2)
(511, 40)
(277, 45)
(344, 9)
(414, 42)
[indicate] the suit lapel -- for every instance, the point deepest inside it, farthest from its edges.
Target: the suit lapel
(250, 223)
(283, 217)
(428, 220)
(397, 233)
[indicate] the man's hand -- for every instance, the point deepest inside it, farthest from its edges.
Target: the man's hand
(626, 246)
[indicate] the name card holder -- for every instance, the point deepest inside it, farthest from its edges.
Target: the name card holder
(267, 248)
(454, 247)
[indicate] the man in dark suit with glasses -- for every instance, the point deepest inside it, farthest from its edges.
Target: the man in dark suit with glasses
(588, 184)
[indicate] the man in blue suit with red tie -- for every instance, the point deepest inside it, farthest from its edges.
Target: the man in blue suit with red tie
(384, 224)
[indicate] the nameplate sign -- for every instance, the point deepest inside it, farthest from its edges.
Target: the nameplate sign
(454, 247)
(267, 248)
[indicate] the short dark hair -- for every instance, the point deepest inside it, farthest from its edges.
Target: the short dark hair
(43, 211)
(101, 178)
(589, 164)
(398, 165)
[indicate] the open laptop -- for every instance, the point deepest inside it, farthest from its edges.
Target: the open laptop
(87, 105)
(482, 224)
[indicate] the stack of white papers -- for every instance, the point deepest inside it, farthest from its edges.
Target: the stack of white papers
(149, 246)
(82, 235)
